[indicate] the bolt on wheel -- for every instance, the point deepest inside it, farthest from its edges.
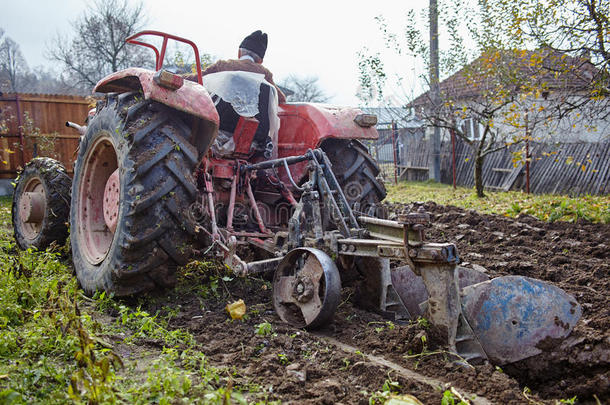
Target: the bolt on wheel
(98, 200)
(306, 288)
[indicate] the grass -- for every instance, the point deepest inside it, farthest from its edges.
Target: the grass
(546, 207)
(54, 342)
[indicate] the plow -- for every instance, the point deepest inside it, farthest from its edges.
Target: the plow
(160, 179)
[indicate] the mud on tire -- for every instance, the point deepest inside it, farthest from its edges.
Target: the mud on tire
(155, 189)
(357, 173)
(47, 176)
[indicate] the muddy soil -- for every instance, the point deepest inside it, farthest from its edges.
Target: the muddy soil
(297, 366)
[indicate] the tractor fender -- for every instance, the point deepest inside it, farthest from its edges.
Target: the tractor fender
(190, 98)
(309, 124)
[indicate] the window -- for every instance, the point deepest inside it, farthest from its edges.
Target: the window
(471, 128)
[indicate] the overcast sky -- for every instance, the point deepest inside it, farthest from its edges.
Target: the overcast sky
(319, 38)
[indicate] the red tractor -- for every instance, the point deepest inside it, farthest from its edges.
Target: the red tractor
(153, 187)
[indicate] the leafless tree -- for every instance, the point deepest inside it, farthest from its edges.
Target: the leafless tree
(12, 63)
(98, 45)
(305, 89)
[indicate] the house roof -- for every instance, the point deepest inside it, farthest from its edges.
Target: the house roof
(550, 71)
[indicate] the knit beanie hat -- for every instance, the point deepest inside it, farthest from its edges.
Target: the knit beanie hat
(255, 42)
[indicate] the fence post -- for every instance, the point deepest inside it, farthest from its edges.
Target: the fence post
(20, 130)
(527, 154)
(453, 155)
(394, 151)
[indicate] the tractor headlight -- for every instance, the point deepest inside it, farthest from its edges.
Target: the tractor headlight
(366, 120)
(168, 80)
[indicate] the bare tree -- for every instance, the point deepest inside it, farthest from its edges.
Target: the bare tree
(12, 63)
(46, 81)
(305, 89)
(98, 46)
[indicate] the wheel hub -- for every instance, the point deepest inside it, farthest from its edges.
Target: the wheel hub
(98, 200)
(32, 208)
(111, 201)
(303, 289)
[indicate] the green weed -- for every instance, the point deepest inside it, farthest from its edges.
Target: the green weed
(264, 329)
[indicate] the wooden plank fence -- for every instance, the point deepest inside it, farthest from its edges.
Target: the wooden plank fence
(34, 125)
(567, 168)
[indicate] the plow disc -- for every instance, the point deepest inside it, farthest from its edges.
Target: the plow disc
(513, 317)
(510, 317)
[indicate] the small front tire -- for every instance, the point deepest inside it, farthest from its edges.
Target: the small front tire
(41, 204)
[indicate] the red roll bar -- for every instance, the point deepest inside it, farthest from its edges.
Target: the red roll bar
(159, 56)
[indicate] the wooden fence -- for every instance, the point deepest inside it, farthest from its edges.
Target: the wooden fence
(35, 125)
(567, 168)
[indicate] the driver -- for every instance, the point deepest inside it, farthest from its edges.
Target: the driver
(251, 52)
(250, 59)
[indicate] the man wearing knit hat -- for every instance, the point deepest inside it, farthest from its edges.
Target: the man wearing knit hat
(251, 53)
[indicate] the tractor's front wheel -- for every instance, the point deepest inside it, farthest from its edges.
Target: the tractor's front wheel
(41, 203)
(132, 190)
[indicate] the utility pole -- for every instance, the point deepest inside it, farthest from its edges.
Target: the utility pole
(435, 142)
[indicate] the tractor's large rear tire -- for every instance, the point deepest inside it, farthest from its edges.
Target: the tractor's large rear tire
(132, 190)
(41, 204)
(357, 173)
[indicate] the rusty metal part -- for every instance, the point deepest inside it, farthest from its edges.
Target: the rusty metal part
(306, 288)
(415, 224)
(111, 201)
(168, 80)
(231, 203)
(80, 128)
(32, 208)
(514, 316)
(263, 266)
(100, 163)
(377, 292)
(209, 196)
(254, 206)
(191, 98)
(444, 306)
(160, 55)
(411, 289)
(230, 257)
(383, 229)
(413, 292)
(306, 283)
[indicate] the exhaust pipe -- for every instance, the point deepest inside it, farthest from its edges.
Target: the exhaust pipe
(80, 128)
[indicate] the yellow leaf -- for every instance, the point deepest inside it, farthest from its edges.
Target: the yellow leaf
(237, 309)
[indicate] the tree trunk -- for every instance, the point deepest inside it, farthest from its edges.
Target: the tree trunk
(478, 173)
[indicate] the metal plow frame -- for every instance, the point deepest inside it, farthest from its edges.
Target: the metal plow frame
(454, 299)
